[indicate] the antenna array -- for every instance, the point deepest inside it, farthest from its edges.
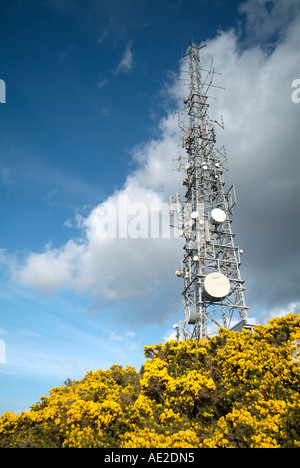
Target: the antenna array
(213, 293)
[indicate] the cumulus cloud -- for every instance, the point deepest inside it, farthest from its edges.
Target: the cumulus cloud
(262, 140)
(127, 253)
(52, 270)
(292, 308)
(266, 19)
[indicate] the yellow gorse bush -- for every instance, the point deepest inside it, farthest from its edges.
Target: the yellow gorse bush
(234, 390)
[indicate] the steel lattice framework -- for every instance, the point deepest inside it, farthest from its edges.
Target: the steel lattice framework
(213, 293)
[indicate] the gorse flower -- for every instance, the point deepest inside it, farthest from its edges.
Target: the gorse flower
(234, 390)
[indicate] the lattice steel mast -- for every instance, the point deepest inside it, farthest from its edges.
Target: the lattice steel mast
(213, 294)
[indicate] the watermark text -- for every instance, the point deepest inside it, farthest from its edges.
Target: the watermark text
(2, 352)
(2, 92)
(125, 219)
(296, 353)
(296, 94)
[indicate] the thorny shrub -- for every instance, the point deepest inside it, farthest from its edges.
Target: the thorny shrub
(233, 390)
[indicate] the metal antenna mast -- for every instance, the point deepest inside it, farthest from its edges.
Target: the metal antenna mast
(213, 293)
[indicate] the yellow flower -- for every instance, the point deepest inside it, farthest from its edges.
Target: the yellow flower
(234, 390)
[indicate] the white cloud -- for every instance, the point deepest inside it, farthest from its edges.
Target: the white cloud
(262, 140)
(113, 336)
(124, 66)
(266, 18)
(170, 335)
(103, 82)
(130, 334)
(292, 308)
(126, 63)
(52, 270)
(113, 269)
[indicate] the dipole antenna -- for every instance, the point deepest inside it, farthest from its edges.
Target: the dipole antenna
(213, 291)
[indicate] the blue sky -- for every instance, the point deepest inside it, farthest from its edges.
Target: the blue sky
(90, 96)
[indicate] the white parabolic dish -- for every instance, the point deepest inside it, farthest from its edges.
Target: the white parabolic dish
(216, 286)
(218, 216)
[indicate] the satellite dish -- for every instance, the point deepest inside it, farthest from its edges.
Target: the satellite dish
(216, 286)
(194, 215)
(218, 216)
(192, 315)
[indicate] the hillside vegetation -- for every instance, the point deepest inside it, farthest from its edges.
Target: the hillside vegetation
(234, 390)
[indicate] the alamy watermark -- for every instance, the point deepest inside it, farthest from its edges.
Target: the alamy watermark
(296, 94)
(296, 353)
(125, 219)
(2, 352)
(2, 92)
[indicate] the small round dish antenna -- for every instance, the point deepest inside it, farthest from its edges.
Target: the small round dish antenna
(218, 216)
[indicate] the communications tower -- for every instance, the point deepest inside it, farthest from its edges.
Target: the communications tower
(213, 294)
